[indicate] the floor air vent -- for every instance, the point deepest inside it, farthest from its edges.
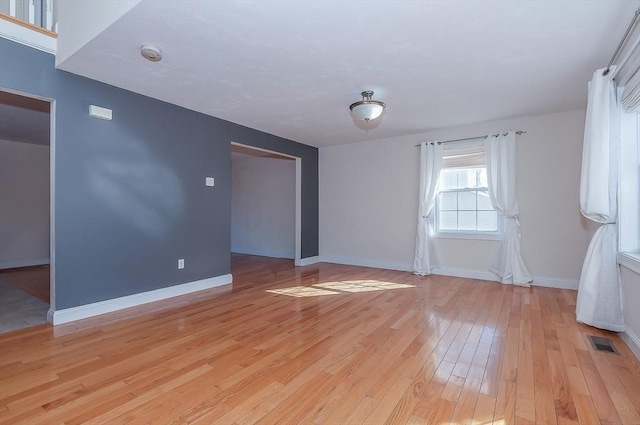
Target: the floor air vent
(603, 344)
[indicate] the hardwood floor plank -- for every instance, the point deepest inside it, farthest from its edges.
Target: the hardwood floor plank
(599, 394)
(484, 410)
(565, 409)
(628, 414)
(377, 346)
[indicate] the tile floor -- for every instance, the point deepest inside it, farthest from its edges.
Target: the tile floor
(18, 309)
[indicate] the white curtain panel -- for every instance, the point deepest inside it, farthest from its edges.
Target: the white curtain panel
(425, 258)
(507, 262)
(600, 292)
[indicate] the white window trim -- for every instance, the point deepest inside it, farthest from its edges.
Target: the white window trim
(628, 222)
(466, 234)
(630, 260)
(487, 236)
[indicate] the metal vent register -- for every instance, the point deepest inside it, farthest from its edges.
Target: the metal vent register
(603, 344)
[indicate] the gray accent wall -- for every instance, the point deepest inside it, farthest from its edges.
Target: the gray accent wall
(130, 198)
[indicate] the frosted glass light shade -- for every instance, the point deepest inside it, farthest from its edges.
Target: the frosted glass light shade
(367, 109)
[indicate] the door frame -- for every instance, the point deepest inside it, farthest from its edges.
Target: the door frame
(298, 225)
(52, 192)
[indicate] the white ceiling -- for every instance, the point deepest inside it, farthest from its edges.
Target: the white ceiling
(292, 68)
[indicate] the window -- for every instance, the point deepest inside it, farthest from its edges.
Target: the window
(463, 206)
(629, 194)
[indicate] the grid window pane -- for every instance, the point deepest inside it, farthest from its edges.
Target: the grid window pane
(467, 220)
(448, 201)
(448, 179)
(467, 201)
(448, 220)
(484, 202)
(466, 178)
(487, 221)
(482, 178)
(463, 203)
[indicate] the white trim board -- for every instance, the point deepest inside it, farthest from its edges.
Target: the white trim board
(66, 315)
(554, 282)
(307, 261)
(365, 262)
(543, 281)
(24, 263)
(632, 341)
(630, 261)
(469, 274)
(28, 37)
(263, 253)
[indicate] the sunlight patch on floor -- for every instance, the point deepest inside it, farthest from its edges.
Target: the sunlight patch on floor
(333, 288)
(302, 291)
(362, 285)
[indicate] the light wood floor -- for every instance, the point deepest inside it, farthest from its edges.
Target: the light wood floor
(338, 345)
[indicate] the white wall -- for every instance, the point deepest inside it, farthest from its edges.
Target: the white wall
(263, 206)
(368, 201)
(24, 204)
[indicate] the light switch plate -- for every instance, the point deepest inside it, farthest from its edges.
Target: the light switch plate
(209, 181)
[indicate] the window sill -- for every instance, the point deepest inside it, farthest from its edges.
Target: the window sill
(630, 260)
(472, 236)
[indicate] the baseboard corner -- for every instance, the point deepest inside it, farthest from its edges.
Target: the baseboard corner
(308, 261)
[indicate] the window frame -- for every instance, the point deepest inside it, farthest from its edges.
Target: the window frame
(464, 234)
(628, 185)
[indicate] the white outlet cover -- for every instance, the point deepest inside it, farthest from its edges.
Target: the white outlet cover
(209, 181)
(181, 263)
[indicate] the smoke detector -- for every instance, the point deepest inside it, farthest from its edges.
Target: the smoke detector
(151, 53)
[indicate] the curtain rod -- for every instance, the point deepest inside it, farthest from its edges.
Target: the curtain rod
(624, 38)
(519, 132)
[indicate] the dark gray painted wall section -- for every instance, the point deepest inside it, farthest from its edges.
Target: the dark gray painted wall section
(129, 193)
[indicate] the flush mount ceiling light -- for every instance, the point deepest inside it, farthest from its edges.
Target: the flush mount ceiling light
(367, 109)
(151, 53)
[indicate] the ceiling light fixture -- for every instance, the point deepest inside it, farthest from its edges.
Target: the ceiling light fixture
(367, 109)
(151, 53)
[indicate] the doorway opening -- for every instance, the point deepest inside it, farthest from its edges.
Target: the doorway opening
(26, 210)
(265, 202)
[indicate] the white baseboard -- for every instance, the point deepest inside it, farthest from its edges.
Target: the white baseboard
(308, 260)
(264, 253)
(23, 263)
(66, 315)
(365, 262)
(554, 282)
(469, 274)
(544, 281)
(632, 341)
